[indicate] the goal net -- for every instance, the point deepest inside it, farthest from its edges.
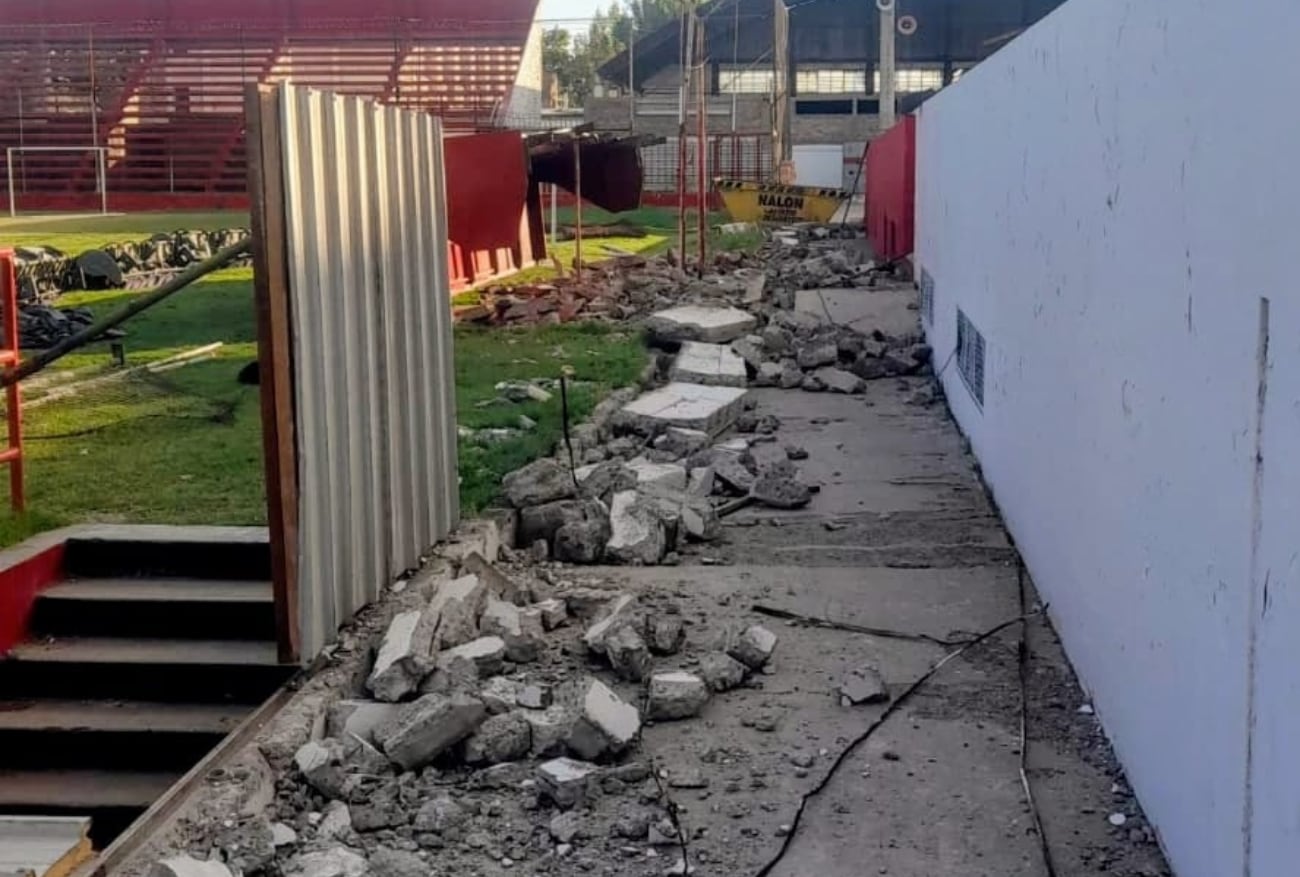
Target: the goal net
(16, 179)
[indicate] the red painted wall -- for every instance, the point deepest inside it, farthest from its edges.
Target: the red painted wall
(891, 191)
(20, 582)
(487, 206)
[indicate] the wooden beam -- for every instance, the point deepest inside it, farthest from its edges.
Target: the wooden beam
(275, 355)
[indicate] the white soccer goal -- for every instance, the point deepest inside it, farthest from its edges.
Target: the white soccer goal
(101, 170)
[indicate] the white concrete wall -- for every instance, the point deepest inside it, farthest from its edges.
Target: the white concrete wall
(1108, 199)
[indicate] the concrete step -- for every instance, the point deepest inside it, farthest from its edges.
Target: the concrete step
(130, 735)
(162, 670)
(134, 553)
(713, 364)
(112, 799)
(132, 607)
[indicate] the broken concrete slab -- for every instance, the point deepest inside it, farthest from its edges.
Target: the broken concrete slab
(769, 374)
(485, 654)
(543, 521)
(555, 612)
(500, 694)
(564, 781)
(522, 633)
(700, 481)
(582, 541)
(539, 482)
(712, 364)
(183, 866)
(605, 724)
(330, 766)
(700, 323)
(676, 695)
(818, 354)
(535, 697)
(791, 375)
(694, 516)
(357, 718)
(753, 647)
(863, 685)
(426, 728)
(657, 474)
(405, 655)
(665, 633)
(779, 487)
(751, 350)
(550, 729)
(628, 654)
(837, 380)
(618, 612)
(335, 861)
(637, 532)
(682, 442)
(506, 737)
(498, 584)
(721, 672)
(458, 604)
(693, 406)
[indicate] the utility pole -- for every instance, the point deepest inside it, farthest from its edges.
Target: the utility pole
(888, 65)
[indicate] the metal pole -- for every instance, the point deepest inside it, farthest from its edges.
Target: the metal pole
(94, 107)
(701, 150)
(688, 34)
(555, 216)
(577, 207)
(735, 62)
(103, 180)
(631, 80)
(13, 193)
(888, 66)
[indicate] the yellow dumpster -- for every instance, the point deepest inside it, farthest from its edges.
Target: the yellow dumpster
(773, 202)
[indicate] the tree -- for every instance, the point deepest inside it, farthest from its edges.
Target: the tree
(574, 59)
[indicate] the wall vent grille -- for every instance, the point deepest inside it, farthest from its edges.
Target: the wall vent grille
(970, 356)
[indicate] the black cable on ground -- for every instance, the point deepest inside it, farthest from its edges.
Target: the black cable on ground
(893, 707)
(568, 442)
(1023, 651)
(814, 621)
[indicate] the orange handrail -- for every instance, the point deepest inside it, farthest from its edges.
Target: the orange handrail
(9, 355)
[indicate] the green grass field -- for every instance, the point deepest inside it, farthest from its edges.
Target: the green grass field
(185, 446)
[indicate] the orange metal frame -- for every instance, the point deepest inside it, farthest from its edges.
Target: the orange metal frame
(9, 357)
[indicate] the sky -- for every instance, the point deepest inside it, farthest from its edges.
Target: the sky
(575, 9)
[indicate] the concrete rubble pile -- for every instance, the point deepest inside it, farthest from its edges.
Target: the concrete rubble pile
(501, 717)
(652, 475)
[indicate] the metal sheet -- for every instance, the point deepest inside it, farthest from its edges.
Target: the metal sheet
(374, 396)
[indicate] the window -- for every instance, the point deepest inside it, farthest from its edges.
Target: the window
(823, 107)
(909, 79)
(970, 356)
(830, 80)
(739, 80)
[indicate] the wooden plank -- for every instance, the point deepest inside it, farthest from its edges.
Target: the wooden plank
(275, 356)
(43, 846)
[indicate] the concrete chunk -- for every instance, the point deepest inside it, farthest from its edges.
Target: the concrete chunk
(555, 613)
(550, 729)
(605, 724)
(693, 406)
(837, 380)
(506, 737)
(665, 634)
(564, 780)
(335, 861)
(676, 695)
(754, 647)
(458, 603)
(780, 488)
(721, 672)
(486, 654)
(701, 323)
(405, 655)
(539, 482)
(682, 442)
(426, 728)
(618, 612)
(357, 718)
(657, 474)
(712, 364)
(693, 515)
(522, 634)
(500, 695)
(819, 354)
(637, 532)
(187, 866)
(769, 374)
(863, 685)
(700, 482)
(628, 654)
(498, 584)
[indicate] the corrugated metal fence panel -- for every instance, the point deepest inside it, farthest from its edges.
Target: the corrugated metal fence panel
(374, 395)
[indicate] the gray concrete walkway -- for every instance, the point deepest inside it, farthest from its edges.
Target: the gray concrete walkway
(901, 537)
